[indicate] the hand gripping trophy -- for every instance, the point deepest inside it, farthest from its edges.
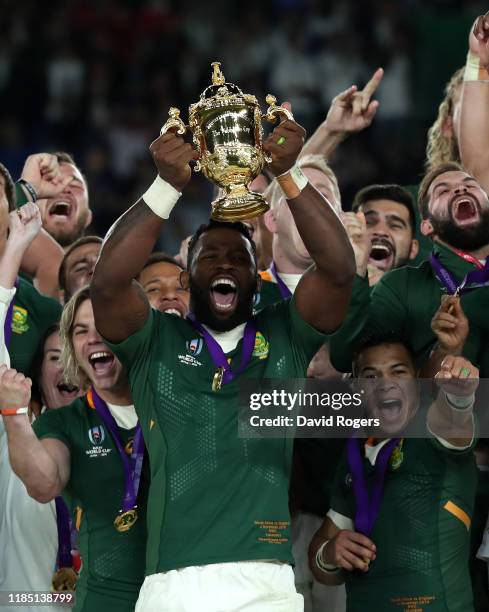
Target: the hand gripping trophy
(227, 130)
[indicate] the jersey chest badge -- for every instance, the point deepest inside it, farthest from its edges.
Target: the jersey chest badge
(397, 456)
(262, 348)
(19, 320)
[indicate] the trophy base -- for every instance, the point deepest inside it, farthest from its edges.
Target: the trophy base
(239, 208)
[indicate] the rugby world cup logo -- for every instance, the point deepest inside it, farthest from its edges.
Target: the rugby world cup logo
(96, 435)
(194, 346)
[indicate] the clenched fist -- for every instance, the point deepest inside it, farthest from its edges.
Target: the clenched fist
(350, 551)
(457, 376)
(284, 144)
(24, 225)
(15, 388)
(172, 157)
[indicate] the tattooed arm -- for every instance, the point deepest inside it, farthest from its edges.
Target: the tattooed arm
(120, 306)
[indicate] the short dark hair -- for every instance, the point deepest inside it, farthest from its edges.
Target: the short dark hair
(376, 338)
(64, 158)
(392, 192)
(236, 226)
(9, 188)
(160, 257)
(429, 177)
(36, 367)
(78, 243)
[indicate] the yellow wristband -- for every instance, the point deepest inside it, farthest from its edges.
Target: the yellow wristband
(473, 69)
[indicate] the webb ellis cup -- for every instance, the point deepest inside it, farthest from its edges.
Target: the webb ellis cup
(227, 131)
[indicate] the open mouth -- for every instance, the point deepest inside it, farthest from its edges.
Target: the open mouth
(60, 210)
(390, 410)
(172, 311)
(382, 254)
(465, 210)
(224, 294)
(67, 391)
(101, 362)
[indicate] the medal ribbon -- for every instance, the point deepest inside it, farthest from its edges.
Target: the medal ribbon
(367, 508)
(7, 326)
(217, 354)
(132, 466)
(469, 258)
(285, 292)
(472, 280)
(64, 533)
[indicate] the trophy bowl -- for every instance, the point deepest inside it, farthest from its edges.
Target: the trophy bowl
(227, 131)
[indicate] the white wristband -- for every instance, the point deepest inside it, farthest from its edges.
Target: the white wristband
(325, 567)
(292, 182)
(460, 403)
(161, 197)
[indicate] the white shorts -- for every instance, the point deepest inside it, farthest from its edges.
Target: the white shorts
(244, 586)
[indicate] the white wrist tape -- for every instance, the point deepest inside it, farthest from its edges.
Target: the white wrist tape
(325, 567)
(473, 69)
(161, 197)
(292, 182)
(460, 403)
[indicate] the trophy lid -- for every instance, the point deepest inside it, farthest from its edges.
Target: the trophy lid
(220, 87)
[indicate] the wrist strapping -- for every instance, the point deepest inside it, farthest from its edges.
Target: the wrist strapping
(473, 69)
(292, 182)
(29, 188)
(161, 197)
(325, 567)
(460, 403)
(13, 411)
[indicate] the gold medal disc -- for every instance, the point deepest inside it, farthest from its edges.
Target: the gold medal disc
(125, 520)
(217, 380)
(64, 580)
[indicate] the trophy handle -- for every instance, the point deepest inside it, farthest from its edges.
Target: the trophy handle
(273, 110)
(173, 121)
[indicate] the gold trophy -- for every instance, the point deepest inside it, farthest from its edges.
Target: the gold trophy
(227, 131)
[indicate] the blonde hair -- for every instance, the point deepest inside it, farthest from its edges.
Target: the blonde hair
(273, 193)
(72, 372)
(440, 147)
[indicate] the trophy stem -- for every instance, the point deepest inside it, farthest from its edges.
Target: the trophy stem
(238, 204)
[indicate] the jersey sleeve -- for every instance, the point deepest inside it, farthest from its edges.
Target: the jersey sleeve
(382, 309)
(341, 494)
(134, 350)
(54, 424)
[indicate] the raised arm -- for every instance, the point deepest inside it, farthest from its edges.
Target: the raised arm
(43, 466)
(474, 113)
(324, 291)
(350, 111)
(450, 417)
(120, 306)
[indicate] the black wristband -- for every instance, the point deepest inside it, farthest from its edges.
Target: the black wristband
(26, 185)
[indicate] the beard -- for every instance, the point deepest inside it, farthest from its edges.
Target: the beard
(466, 238)
(201, 307)
(65, 236)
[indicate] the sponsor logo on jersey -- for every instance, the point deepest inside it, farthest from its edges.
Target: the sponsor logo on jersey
(194, 347)
(262, 348)
(96, 435)
(19, 320)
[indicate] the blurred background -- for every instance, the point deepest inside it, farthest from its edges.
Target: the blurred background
(96, 78)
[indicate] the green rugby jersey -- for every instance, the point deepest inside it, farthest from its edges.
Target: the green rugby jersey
(404, 301)
(113, 562)
(32, 314)
(214, 497)
(422, 532)
(269, 292)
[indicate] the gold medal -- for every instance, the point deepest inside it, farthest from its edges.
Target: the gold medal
(64, 580)
(125, 520)
(217, 380)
